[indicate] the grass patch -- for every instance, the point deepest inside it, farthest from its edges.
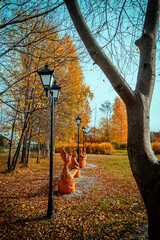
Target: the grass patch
(121, 152)
(119, 166)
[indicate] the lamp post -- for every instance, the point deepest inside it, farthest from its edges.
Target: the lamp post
(78, 120)
(84, 133)
(47, 78)
(85, 138)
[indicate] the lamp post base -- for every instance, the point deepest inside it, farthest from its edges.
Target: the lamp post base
(50, 211)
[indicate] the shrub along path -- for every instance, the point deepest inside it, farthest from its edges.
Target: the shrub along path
(106, 204)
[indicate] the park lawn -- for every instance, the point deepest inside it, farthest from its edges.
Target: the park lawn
(121, 152)
(111, 208)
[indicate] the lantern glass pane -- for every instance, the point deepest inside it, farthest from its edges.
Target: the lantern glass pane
(58, 94)
(55, 93)
(45, 80)
(51, 80)
(78, 122)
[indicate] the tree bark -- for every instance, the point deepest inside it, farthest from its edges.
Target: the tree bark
(28, 146)
(39, 142)
(16, 155)
(11, 143)
(24, 148)
(144, 164)
(46, 145)
(25, 144)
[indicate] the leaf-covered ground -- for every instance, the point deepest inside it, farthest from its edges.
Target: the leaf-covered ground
(106, 204)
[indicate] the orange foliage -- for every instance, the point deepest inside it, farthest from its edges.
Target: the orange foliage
(156, 147)
(119, 121)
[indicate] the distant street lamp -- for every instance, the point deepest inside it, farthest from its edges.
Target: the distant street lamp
(53, 89)
(85, 139)
(78, 120)
(84, 133)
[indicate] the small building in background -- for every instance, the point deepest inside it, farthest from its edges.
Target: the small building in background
(4, 141)
(155, 136)
(93, 135)
(34, 146)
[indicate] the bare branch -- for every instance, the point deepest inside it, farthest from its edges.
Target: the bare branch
(98, 55)
(29, 17)
(147, 45)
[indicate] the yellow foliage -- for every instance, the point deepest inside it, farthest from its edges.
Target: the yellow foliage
(45, 46)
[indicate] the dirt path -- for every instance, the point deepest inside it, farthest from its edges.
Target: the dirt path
(84, 183)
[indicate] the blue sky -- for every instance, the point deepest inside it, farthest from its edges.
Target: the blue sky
(103, 91)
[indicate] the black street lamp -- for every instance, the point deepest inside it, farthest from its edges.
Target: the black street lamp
(78, 120)
(85, 138)
(84, 133)
(47, 78)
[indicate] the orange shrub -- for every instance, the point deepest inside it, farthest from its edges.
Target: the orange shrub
(69, 147)
(156, 147)
(119, 145)
(100, 148)
(91, 148)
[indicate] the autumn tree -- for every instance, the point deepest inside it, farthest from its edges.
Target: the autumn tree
(18, 81)
(13, 14)
(145, 166)
(29, 40)
(26, 87)
(20, 22)
(27, 90)
(114, 127)
(106, 108)
(75, 95)
(118, 121)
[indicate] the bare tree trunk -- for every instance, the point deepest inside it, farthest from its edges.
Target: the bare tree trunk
(47, 142)
(28, 147)
(144, 164)
(24, 148)
(11, 142)
(38, 147)
(38, 152)
(16, 155)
